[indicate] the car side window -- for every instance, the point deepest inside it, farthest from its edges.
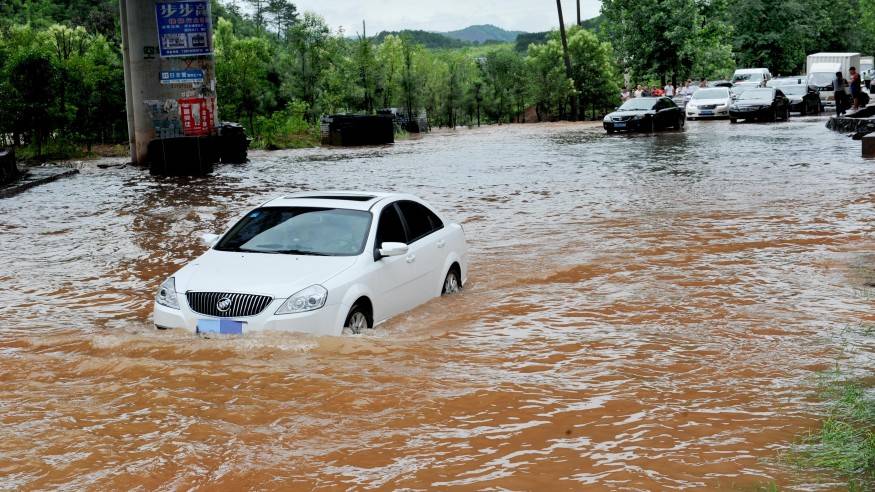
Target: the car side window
(390, 228)
(420, 220)
(660, 105)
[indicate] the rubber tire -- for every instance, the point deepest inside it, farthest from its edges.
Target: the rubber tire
(610, 131)
(804, 110)
(733, 121)
(774, 116)
(356, 309)
(453, 272)
(787, 113)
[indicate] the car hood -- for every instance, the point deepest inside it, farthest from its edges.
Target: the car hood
(707, 102)
(637, 112)
(747, 104)
(276, 275)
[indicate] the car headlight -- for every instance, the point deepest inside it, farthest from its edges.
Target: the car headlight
(167, 294)
(309, 299)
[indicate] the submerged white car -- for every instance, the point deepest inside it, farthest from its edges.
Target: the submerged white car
(712, 102)
(320, 263)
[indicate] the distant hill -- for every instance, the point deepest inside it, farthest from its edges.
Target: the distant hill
(483, 34)
(430, 40)
(525, 39)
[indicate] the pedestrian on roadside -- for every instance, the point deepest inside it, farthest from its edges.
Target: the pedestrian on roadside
(625, 95)
(657, 92)
(645, 92)
(638, 91)
(839, 85)
(856, 87)
(669, 90)
(703, 84)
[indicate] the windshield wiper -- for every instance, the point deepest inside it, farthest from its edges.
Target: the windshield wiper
(301, 252)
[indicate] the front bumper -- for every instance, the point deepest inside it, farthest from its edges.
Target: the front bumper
(755, 114)
(325, 321)
(626, 126)
(718, 112)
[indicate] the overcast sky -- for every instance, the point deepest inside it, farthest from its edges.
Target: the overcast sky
(445, 15)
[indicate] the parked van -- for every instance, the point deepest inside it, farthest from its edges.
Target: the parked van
(751, 77)
(822, 68)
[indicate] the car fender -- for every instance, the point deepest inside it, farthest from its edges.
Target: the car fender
(353, 293)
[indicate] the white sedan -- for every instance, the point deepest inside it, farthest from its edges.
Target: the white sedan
(321, 263)
(712, 102)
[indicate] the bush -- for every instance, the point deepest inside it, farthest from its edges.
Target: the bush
(286, 129)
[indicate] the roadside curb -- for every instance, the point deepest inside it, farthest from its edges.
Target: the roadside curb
(35, 177)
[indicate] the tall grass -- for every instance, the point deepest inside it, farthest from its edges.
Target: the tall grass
(845, 442)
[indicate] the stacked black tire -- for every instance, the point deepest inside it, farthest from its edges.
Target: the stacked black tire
(8, 169)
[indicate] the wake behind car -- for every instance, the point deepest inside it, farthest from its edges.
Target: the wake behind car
(709, 103)
(645, 114)
(764, 104)
(321, 263)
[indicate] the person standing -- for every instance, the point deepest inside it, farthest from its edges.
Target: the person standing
(669, 90)
(625, 95)
(856, 87)
(839, 85)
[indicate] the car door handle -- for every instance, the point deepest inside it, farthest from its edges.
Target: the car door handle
(441, 243)
(411, 258)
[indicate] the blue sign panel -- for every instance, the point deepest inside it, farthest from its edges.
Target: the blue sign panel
(184, 28)
(190, 76)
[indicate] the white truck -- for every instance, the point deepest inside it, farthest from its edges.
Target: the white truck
(821, 69)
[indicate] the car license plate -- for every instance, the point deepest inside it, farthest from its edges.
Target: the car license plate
(619, 125)
(220, 326)
(707, 113)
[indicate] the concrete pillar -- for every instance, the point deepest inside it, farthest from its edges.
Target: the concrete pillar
(154, 107)
(869, 145)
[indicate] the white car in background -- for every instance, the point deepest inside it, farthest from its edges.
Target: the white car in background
(711, 102)
(320, 263)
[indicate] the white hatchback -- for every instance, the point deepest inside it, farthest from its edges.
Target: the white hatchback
(321, 263)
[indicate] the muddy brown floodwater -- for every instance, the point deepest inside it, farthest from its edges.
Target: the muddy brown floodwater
(643, 313)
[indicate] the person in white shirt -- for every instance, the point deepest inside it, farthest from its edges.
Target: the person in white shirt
(669, 90)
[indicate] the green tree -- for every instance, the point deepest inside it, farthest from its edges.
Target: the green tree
(242, 67)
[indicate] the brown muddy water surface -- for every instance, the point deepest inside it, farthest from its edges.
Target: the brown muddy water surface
(643, 313)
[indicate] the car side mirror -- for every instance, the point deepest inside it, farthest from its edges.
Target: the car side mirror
(393, 249)
(209, 239)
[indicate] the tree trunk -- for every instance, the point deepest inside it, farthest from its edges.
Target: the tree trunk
(568, 71)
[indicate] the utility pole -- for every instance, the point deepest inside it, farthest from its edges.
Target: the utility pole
(579, 19)
(568, 71)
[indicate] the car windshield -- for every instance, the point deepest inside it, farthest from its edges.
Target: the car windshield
(822, 79)
(787, 81)
(711, 94)
(637, 104)
(757, 95)
(299, 231)
(747, 77)
(794, 90)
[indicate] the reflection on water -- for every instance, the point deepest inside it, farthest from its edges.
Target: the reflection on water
(644, 312)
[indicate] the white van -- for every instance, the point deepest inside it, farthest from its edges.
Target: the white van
(751, 77)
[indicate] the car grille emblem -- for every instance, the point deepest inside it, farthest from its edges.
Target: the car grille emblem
(224, 305)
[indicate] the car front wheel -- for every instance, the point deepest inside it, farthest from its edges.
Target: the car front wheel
(357, 321)
(452, 283)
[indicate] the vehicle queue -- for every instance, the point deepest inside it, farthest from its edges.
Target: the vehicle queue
(752, 94)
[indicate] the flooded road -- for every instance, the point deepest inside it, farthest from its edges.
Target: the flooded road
(643, 313)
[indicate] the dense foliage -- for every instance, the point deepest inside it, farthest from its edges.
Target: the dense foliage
(661, 40)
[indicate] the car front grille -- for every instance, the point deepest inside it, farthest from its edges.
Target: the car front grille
(621, 118)
(709, 106)
(242, 305)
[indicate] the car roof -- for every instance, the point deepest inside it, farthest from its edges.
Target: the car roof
(351, 200)
(752, 70)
